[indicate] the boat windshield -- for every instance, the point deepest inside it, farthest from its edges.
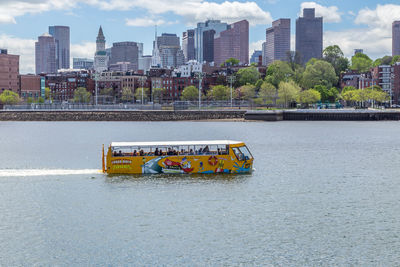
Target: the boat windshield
(242, 153)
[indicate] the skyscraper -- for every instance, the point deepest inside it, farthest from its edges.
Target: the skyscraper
(188, 44)
(396, 38)
(100, 57)
(61, 35)
(309, 35)
(169, 50)
(215, 25)
(255, 56)
(45, 54)
(125, 52)
(233, 42)
(277, 41)
(208, 45)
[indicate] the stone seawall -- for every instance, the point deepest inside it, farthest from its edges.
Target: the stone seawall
(185, 115)
(119, 115)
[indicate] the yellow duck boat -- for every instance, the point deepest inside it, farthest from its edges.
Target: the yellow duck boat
(218, 156)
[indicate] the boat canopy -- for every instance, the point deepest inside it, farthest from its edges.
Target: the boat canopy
(174, 143)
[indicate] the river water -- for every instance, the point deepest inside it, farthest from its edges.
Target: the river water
(322, 194)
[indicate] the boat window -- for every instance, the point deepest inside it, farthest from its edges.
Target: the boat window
(239, 155)
(245, 151)
(184, 150)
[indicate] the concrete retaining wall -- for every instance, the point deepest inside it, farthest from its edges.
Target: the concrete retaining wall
(118, 115)
(341, 115)
(272, 115)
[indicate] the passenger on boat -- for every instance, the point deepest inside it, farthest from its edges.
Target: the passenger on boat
(141, 153)
(191, 152)
(156, 152)
(206, 150)
(134, 153)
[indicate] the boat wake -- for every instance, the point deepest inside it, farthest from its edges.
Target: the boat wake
(45, 172)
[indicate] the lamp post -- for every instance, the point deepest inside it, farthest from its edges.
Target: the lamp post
(142, 79)
(200, 77)
(231, 80)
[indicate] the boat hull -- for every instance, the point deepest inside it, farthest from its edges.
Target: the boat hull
(175, 164)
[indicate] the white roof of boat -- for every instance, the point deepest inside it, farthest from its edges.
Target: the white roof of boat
(175, 143)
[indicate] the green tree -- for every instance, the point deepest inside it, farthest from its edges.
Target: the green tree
(288, 92)
(40, 100)
(333, 94)
(349, 96)
(29, 100)
(248, 75)
(190, 93)
(267, 93)
(219, 92)
(232, 62)
(323, 91)
(9, 97)
(47, 93)
(395, 59)
(138, 93)
(107, 91)
(127, 95)
(308, 97)
(158, 94)
(319, 72)
(361, 62)
(81, 95)
(386, 60)
(334, 55)
(247, 91)
(258, 84)
(277, 72)
(348, 88)
(294, 59)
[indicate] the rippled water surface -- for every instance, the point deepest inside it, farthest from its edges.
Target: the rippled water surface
(322, 194)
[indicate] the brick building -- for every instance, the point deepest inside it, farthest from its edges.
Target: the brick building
(9, 71)
(30, 86)
(63, 84)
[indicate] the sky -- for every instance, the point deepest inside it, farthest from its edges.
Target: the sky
(350, 24)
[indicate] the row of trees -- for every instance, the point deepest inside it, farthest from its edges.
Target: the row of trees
(288, 81)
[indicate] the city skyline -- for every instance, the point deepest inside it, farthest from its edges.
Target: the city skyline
(350, 25)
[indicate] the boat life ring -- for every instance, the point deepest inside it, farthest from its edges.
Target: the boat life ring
(212, 160)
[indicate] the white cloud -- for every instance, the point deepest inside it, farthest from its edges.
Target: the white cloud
(329, 13)
(196, 10)
(381, 17)
(255, 46)
(83, 50)
(23, 47)
(375, 39)
(11, 9)
(374, 42)
(191, 10)
(147, 22)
